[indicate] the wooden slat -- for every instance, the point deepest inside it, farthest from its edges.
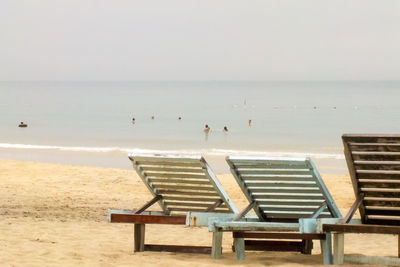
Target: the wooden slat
(189, 193)
(274, 176)
(382, 199)
(290, 212)
(278, 235)
(171, 169)
(379, 181)
(382, 208)
(146, 219)
(375, 162)
(288, 207)
(193, 198)
(259, 161)
(361, 228)
(176, 248)
(375, 176)
(377, 165)
(378, 172)
(263, 195)
(274, 171)
(175, 175)
(305, 178)
(370, 147)
(245, 171)
(207, 188)
(376, 157)
(179, 181)
(281, 183)
(168, 163)
(190, 204)
(187, 209)
(267, 189)
(305, 202)
(385, 190)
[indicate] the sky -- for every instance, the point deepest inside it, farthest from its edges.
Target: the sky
(120, 40)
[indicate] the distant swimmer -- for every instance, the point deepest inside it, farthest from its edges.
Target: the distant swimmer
(225, 130)
(206, 131)
(133, 120)
(179, 118)
(22, 124)
(249, 122)
(152, 117)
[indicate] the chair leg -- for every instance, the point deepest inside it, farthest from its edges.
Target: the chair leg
(139, 237)
(216, 250)
(307, 246)
(326, 249)
(338, 245)
(398, 246)
(239, 248)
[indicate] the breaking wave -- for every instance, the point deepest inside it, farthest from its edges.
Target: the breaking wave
(210, 152)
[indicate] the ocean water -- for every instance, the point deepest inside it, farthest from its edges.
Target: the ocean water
(302, 118)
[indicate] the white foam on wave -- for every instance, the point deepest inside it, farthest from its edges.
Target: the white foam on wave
(211, 151)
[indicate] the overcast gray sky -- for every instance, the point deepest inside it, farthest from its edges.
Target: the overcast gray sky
(199, 40)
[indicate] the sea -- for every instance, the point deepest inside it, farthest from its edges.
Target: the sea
(90, 123)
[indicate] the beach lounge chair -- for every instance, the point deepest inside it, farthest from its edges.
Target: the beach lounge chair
(178, 184)
(289, 199)
(374, 166)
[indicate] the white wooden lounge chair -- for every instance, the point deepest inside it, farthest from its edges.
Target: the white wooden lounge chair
(288, 197)
(373, 161)
(179, 184)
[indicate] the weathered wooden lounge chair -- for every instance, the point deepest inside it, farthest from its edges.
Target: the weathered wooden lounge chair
(287, 195)
(374, 166)
(179, 185)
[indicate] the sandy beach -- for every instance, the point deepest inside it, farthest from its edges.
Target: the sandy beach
(55, 215)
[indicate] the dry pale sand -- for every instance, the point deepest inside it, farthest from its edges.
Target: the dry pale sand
(54, 215)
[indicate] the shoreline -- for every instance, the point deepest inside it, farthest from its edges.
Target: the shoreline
(118, 159)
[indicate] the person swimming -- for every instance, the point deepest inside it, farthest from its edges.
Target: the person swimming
(225, 130)
(206, 131)
(133, 120)
(22, 124)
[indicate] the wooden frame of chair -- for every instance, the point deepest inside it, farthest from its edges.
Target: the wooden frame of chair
(179, 184)
(281, 191)
(373, 161)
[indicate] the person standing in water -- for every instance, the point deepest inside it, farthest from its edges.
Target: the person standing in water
(225, 130)
(249, 122)
(206, 131)
(133, 120)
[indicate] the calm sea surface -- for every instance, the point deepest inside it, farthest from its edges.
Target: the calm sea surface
(288, 118)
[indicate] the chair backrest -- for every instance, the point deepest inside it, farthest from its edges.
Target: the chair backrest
(283, 189)
(183, 183)
(374, 166)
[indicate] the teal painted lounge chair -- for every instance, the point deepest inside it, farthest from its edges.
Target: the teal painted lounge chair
(289, 199)
(179, 184)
